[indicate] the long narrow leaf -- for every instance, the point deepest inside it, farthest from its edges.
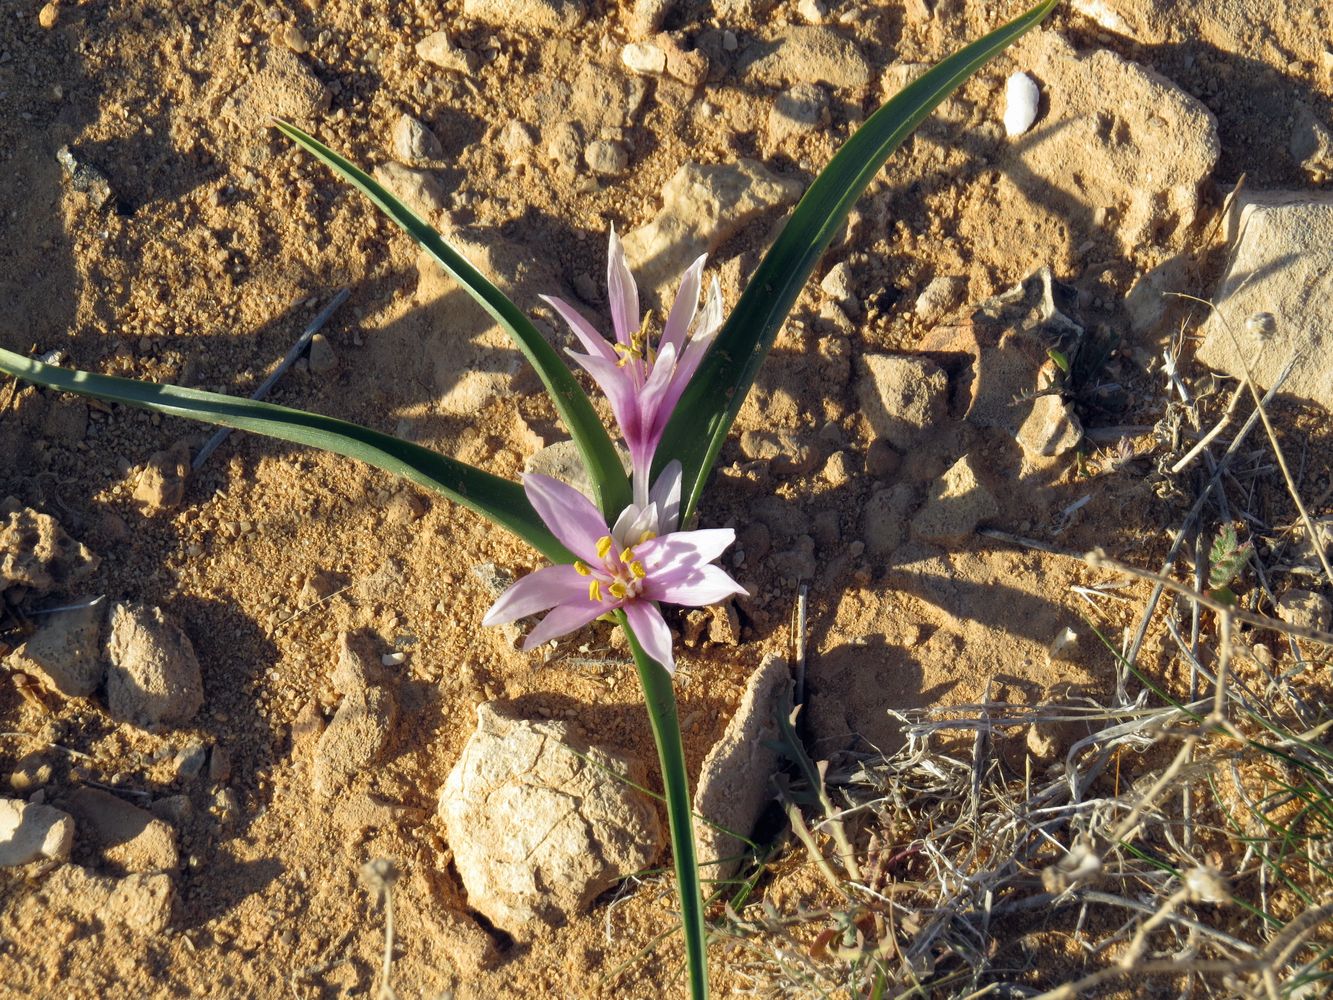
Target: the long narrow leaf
(599, 455)
(710, 404)
(497, 499)
(661, 700)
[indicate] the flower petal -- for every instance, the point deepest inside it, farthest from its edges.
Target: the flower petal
(592, 341)
(622, 292)
(684, 548)
(683, 308)
(568, 513)
(536, 592)
(564, 619)
(666, 494)
(650, 628)
(617, 383)
(693, 586)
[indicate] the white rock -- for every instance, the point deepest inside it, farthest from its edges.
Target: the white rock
(153, 675)
(606, 158)
(36, 553)
(942, 295)
(956, 503)
(734, 780)
(359, 730)
(643, 57)
(419, 190)
(811, 11)
(1021, 98)
(797, 111)
(562, 460)
(438, 49)
(29, 831)
(412, 140)
(66, 651)
(1050, 429)
(1280, 265)
(537, 830)
(805, 54)
(125, 837)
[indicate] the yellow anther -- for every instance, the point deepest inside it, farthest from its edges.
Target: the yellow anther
(618, 590)
(603, 546)
(595, 590)
(581, 568)
(647, 536)
(626, 555)
(637, 569)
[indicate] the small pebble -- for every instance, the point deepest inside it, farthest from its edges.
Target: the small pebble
(1021, 98)
(48, 16)
(606, 158)
(640, 57)
(414, 141)
(294, 40)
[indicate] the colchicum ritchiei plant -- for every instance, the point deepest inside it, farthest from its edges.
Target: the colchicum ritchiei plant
(622, 553)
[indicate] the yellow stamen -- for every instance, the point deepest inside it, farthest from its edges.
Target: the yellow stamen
(647, 536)
(595, 590)
(626, 555)
(637, 569)
(581, 568)
(603, 546)
(617, 590)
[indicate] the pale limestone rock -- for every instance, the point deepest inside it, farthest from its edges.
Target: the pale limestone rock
(439, 49)
(153, 675)
(139, 903)
(702, 207)
(734, 780)
(29, 831)
(901, 396)
(1051, 428)
(129, 839)
(805, 54)
(65, 653)
(1280, 265)
(36, 553)
(413, 140)
(356, 736)
(161, 484)
(529, 15)
(419, 190)
(538, 831)
(956, 504)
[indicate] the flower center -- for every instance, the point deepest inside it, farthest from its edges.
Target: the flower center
(619, 577)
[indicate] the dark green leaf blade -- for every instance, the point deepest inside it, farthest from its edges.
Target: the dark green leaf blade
(599, 454)
(497, 499)
(705, 413)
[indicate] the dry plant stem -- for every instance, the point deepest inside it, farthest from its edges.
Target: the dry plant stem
(1168, 967)
(807, 839)
(1208, 438)
(1140, 941)
(1277, 448)
(1101, 561)
(386, 970)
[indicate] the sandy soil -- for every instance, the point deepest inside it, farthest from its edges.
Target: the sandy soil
(223, 240)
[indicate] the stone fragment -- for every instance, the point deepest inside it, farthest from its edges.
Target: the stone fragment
(900, 396)
(646, 16)
(284, 87)
(528, 15)
(128, 839)
(562, 460)
(606, 158)
(563, 146)
(161, 484)
(517, 138)
(797, 111)
(413, 140)
(735, 778)
(31, 772)
(29, 831)
(85, 177)
(1306, 609)
(797, 562)
(439, 49)
(811, 11)
(36, 553)
(840, 287)
(538, 824)
(805, 54)
(942, 295)
(643, 57)
(602, 99)
(1312, 144)
(139, 903)
(1021, 98)
(152, 676)
(65, 653)
(360, 728)
(419, 190)
(956, 504)
(49, 15)
(1050, 429)
(703, 206)
(884, 519)
(689, 66)
(323, 358)
(786, 452)
(1119, 137)
(294, 40)
(1280, 264)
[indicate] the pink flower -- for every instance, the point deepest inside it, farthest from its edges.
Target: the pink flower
(643, 381)
(628, 567)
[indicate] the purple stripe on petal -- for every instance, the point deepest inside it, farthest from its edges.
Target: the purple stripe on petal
(650, 628)
(622, 292)
(568, 513)
(563, 620)
(536, 592)
(694, 586)
(683, 308)
(592, 341)
(618, 385)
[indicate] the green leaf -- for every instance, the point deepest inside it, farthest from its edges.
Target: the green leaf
(599, 454)
(492, 497)
(715, 394)
(1226, 558)
(661, 701)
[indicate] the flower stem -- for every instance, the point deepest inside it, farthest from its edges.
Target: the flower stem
(661, 700)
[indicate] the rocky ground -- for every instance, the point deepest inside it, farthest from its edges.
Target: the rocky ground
(286, 677)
